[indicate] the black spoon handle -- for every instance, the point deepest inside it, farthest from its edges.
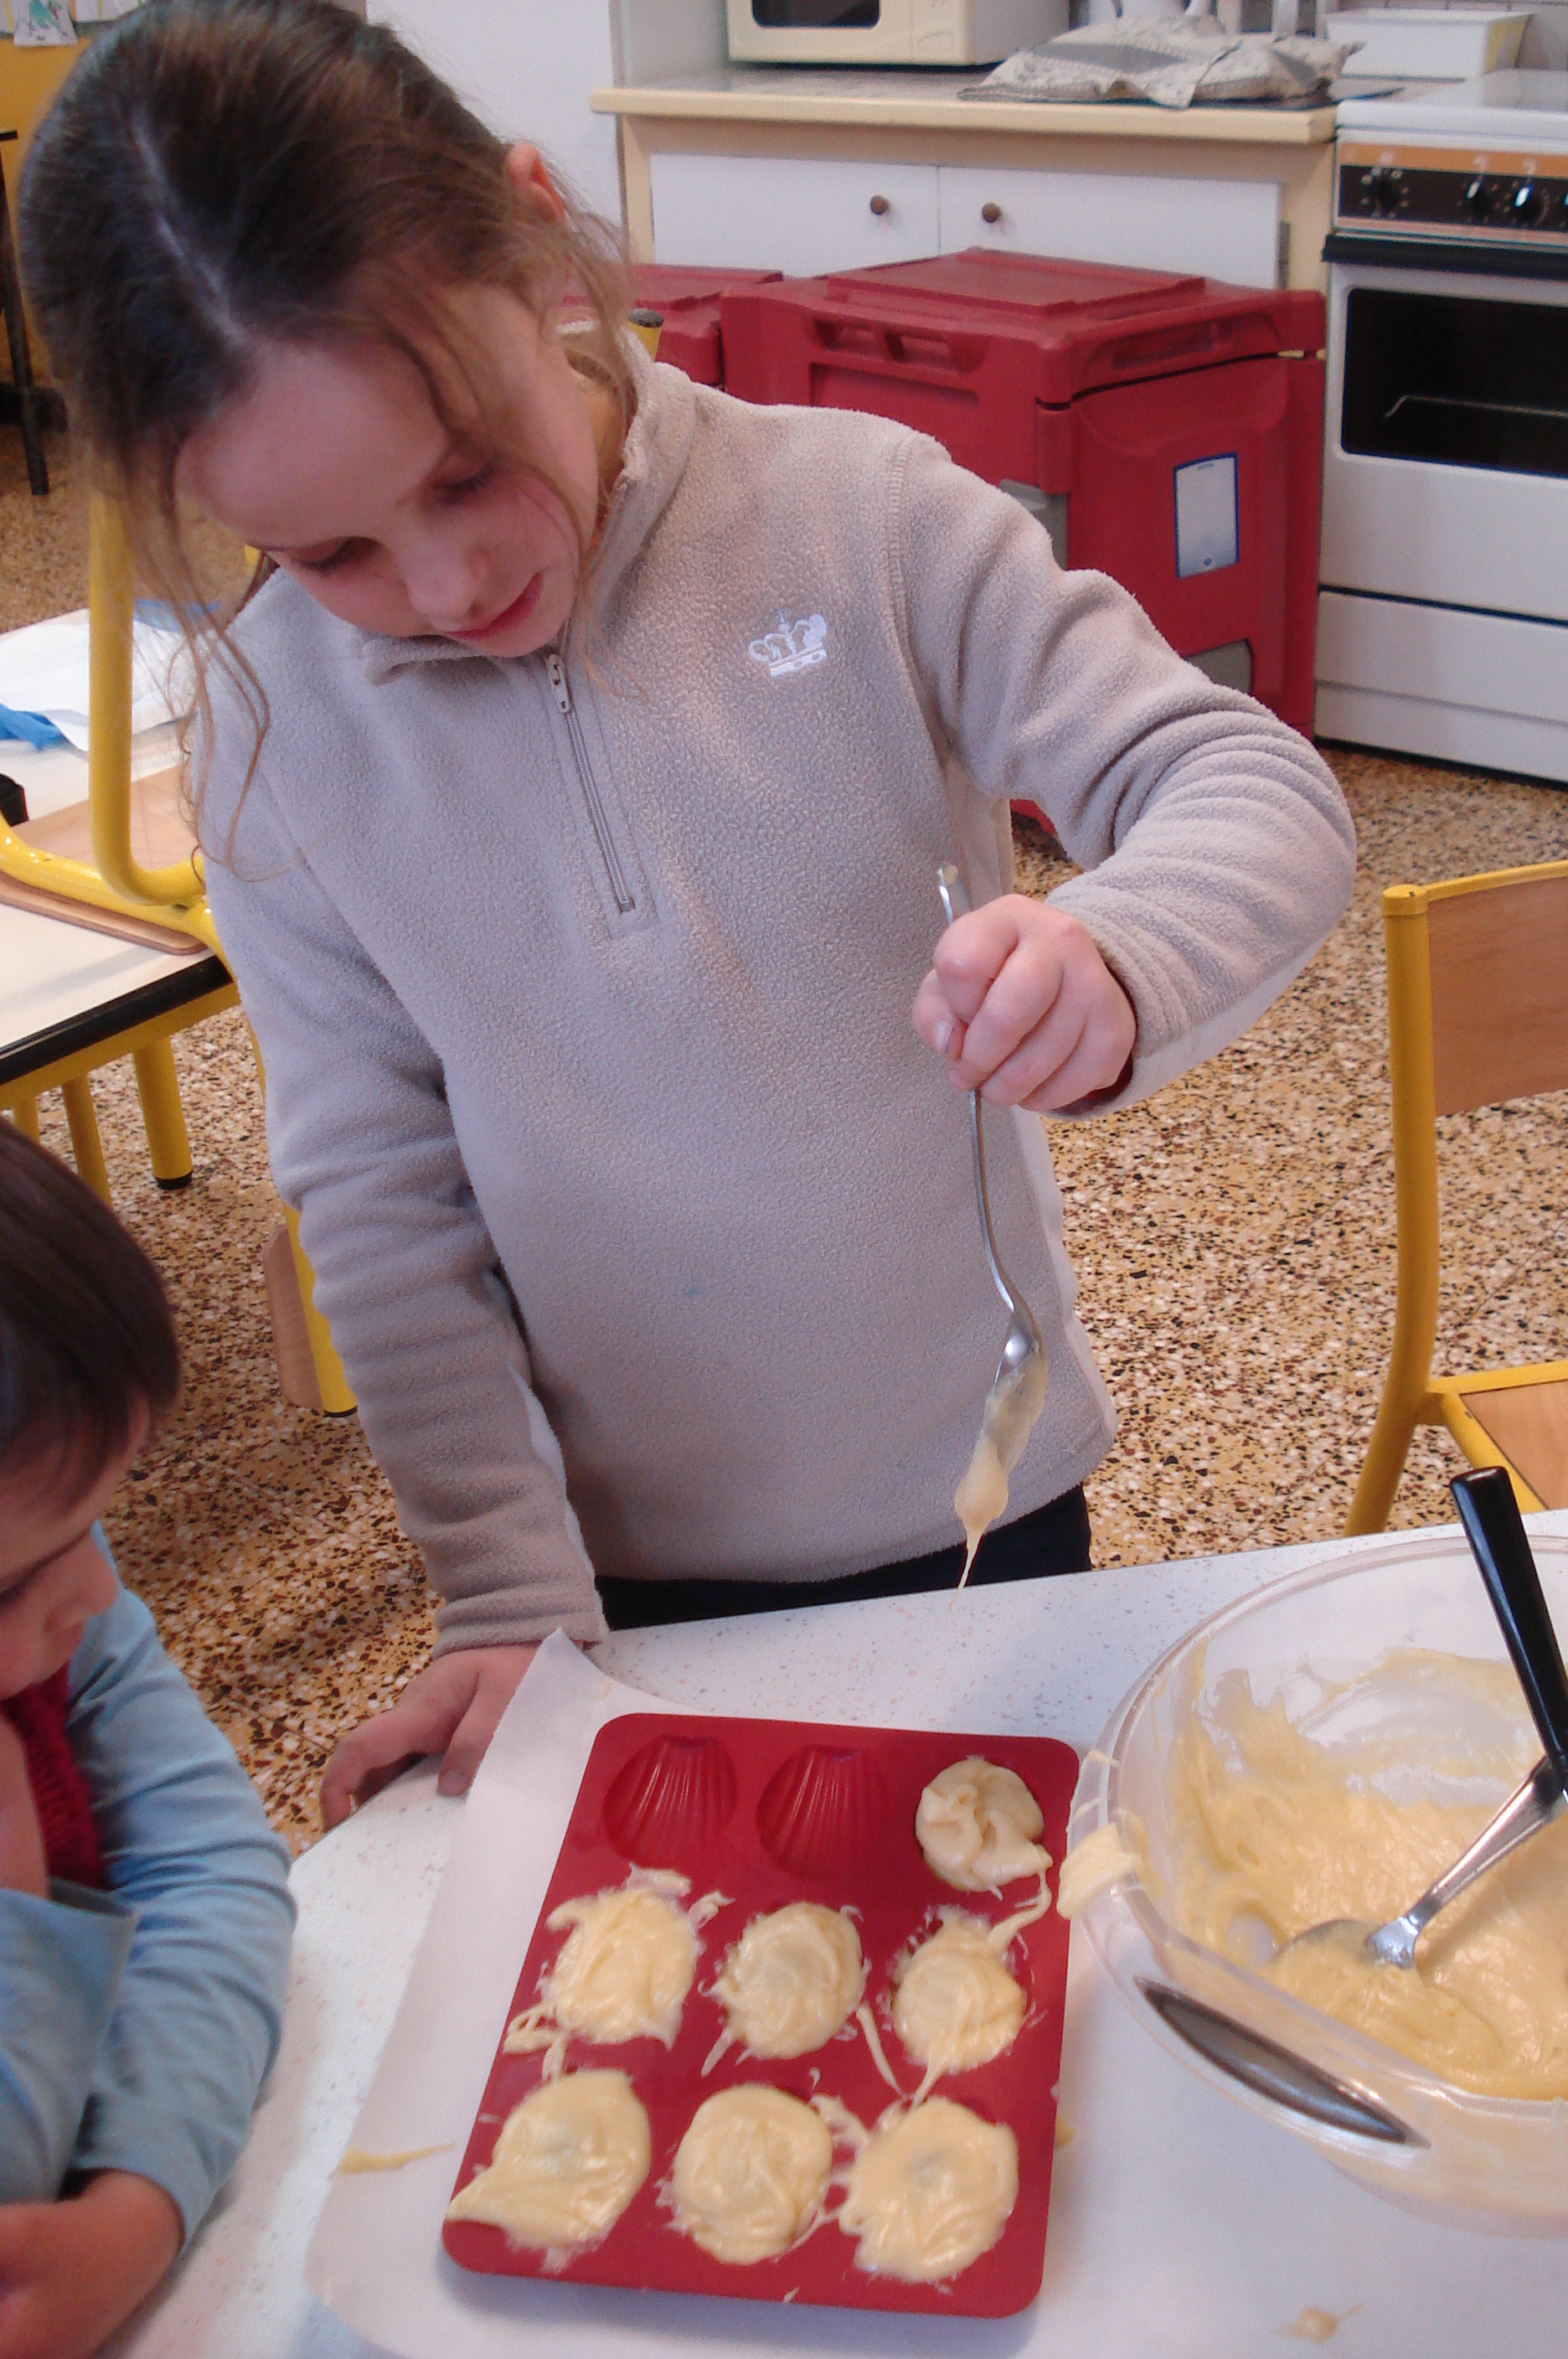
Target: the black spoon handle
(1495, 1530)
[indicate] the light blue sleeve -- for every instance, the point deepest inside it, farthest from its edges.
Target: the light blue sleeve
(199, 2010)
(60, 1963)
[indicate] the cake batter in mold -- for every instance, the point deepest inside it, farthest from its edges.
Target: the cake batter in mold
(568, 2161)
(955, 2005)
(790, 1983)
(977, 1825)
(751, 2173)
(626, 1970)
(930, 2188)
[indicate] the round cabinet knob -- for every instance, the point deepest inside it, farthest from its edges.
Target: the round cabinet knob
(991, 213)
(1476, 202)
(879, 206)
(1527, 205)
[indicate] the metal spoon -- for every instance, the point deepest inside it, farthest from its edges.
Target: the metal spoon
(1496, 1532)
(1023, 1336)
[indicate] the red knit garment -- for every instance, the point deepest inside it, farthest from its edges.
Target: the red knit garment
(72, 1848)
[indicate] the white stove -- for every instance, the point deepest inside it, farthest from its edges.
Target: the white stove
(1443, 625)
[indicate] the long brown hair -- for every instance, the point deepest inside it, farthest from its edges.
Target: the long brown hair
(218, 175)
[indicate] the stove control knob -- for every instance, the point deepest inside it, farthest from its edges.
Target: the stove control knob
(1527, 205)
(1383, 189)
(1475, 201)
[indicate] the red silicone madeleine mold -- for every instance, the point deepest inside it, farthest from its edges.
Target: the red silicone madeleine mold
(768, 1813)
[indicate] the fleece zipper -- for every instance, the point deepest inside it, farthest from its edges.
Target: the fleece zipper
(620, 887)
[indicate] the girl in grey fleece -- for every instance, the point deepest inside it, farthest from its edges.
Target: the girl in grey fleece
(581, 931)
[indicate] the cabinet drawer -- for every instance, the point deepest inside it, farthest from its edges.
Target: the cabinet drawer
(1225, 229)
(801, 215)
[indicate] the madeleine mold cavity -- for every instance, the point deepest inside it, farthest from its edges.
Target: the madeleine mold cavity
(670, 1801)
(822, 1809)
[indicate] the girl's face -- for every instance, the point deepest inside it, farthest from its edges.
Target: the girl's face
(53, 1576)
(335, 462)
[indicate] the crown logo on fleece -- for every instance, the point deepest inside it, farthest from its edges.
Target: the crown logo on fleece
(793, 646)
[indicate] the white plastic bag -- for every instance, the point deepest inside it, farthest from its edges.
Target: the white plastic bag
(1170, 60)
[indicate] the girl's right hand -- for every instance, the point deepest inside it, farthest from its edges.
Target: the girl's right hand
(22, 1863)
(1025, 1009)
(452, 1707)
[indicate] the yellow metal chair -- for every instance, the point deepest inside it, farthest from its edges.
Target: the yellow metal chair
(175, 897)
(1477, 1012)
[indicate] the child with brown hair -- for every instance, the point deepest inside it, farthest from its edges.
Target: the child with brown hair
(145, 1913)
(573, 789)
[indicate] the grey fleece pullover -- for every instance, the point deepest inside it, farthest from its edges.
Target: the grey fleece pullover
(590, 994)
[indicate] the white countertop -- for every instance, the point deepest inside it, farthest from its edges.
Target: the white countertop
(1181, 2227)
(931, 101)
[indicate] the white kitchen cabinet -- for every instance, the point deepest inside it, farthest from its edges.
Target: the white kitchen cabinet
(1223, 229)
(803, 215)
(1243, 193)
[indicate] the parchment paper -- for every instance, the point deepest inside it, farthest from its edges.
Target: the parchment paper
(375, 2258)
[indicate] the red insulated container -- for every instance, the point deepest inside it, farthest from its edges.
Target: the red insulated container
(689, 337)
(766, 1813)
(1168, 429)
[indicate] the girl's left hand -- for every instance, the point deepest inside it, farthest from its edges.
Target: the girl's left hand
(1025, 1009)
(452, 1707)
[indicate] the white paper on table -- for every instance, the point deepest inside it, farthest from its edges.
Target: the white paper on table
(376, 2257)
(43, 668)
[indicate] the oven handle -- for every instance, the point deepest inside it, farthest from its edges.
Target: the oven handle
(1420, 254)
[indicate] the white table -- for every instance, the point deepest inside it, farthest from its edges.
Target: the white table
(59, 982)
(52, 776)
(1180, 2228)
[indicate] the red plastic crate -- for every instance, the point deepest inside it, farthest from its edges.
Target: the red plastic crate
(689, 337)
(1098, 383)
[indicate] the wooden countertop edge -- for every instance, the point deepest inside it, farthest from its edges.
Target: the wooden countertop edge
(1256, 126)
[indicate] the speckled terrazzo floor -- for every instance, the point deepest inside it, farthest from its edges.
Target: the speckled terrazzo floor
(1233, 1241)
(43, 552)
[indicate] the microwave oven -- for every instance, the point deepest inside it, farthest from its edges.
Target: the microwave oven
(889, 32)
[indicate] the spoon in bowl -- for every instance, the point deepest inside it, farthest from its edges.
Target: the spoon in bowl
(1496, 1532)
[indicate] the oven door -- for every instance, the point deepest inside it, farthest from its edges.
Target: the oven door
(1445, 470)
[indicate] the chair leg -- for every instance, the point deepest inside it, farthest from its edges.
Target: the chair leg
(159, 1090)
(85, 1143)
(1386, 1455)
(25, 1114)
(307, 1363)
(336, 1398)
(292, 1297)
(297, 1377)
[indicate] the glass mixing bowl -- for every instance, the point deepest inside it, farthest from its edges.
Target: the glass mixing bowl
(1485, 2162)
